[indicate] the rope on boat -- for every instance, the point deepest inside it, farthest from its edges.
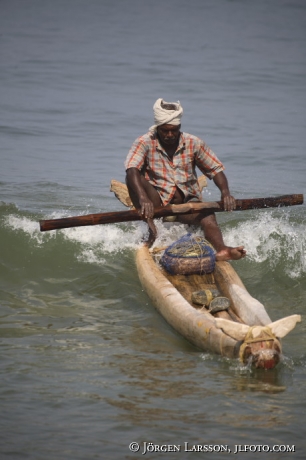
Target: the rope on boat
(189, 255)
(266, 336)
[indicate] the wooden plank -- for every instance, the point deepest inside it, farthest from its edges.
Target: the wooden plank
(170, 210)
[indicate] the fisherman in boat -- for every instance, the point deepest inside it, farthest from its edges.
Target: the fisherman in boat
(160, 170)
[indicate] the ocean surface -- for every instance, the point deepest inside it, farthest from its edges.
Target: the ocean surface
(87, 365)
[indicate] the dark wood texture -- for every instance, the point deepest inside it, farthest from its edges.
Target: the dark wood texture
(170, 210)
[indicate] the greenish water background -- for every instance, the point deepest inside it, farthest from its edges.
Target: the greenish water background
(87, 365)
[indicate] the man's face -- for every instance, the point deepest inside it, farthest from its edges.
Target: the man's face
(169, 134)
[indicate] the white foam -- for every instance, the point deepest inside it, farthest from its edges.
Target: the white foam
(266, 237)
(272, 238)
(26, 225)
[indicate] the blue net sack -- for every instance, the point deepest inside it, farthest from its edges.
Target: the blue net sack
(189, 255)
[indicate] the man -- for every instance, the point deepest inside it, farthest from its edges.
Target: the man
(160, 169)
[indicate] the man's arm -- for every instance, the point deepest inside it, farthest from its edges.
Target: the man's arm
(138, 194)
(221, 182)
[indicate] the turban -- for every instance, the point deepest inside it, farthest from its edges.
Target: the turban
(164, 115)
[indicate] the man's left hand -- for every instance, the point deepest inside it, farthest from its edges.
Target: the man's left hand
(229, 202)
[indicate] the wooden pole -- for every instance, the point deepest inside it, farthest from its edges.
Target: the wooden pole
(170, 210)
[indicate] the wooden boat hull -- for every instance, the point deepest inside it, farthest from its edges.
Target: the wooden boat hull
(244, 330)
(171, 296)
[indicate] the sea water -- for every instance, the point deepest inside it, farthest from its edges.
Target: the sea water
(87, 365)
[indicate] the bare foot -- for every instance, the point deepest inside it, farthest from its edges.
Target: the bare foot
(229, 253)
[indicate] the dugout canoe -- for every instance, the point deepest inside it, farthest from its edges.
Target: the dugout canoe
(245, 331)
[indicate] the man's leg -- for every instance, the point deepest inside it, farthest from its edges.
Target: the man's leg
(213, 234)
(153, 195)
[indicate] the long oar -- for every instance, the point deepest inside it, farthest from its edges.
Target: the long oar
(170, 210)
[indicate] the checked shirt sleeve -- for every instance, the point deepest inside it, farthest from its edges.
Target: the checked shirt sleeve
(137, 155)
(207, 161)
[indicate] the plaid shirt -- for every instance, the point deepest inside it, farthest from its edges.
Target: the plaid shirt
(148, 156)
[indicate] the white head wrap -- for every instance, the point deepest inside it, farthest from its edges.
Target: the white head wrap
(164, 116)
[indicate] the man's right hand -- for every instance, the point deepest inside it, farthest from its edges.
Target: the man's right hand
(146, 208)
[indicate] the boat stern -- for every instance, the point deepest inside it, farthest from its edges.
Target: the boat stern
(260, 345)
(262, 353)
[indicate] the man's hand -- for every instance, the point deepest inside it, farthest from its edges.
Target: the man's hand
(146, 208)
(221, 182)
(141, 193)
(229, 202)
